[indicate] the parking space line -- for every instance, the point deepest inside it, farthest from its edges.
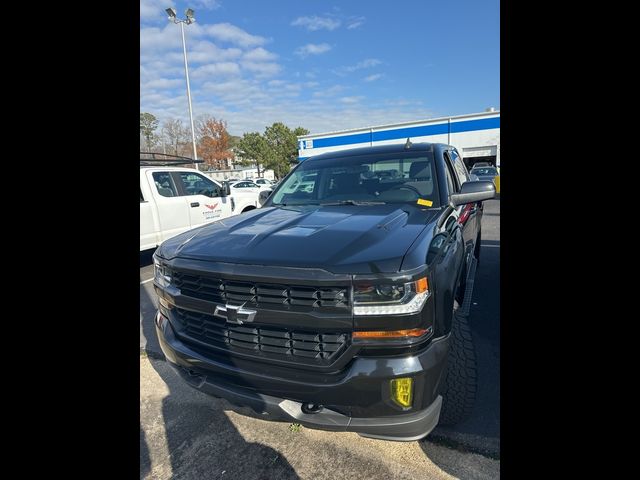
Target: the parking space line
(494, 246)
(147, 281)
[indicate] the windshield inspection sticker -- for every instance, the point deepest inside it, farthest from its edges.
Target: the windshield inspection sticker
(426, 203)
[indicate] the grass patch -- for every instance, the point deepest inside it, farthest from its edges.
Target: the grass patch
(295, 427)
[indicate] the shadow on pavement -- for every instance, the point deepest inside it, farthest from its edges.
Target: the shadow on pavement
(145, 461)
(456, 465)
(200, 439)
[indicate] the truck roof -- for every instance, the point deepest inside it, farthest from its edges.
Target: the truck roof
(395, 148)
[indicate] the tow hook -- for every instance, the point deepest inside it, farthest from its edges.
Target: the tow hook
(310, 408)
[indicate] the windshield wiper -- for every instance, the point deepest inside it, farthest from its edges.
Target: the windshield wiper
(351, 202)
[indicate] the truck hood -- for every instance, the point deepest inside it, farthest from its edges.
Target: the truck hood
(340, 239)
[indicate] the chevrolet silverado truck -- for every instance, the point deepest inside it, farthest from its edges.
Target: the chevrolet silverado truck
(335, 304)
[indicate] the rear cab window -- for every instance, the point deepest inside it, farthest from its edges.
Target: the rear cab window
(164, 184)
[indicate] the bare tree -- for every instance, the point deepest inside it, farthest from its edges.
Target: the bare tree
(175, 135)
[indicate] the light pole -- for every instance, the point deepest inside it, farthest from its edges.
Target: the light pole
(189, 20)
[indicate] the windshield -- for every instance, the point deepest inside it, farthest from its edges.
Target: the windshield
(484, 171)
(383, 178)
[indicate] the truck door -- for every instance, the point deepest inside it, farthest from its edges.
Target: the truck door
(203, 198)
(149, 235)
(467, 214)
(472, 213)
(173, 215)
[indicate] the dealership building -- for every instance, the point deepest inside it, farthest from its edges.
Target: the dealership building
(476, 136)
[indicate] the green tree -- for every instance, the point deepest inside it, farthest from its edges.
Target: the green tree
(253, 149)
(283, 144)
(148, 125)
(275, 150)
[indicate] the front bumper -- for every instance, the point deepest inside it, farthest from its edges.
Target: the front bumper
(354, 401)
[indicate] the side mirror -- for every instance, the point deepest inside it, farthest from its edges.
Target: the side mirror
(225, 191)
(264, 195)
(472, 192)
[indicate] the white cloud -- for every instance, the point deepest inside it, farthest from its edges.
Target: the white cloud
(329, 92)
(314, 23)
(368, 63)
(263, 69)
(205, 4)
(163, 83)
(154, 10)
(312, 49)
(215, 69)
(205, 51)
(354, 99)
(259, 55)
(372, 78)
(154, 38)
(355, 23)
(226, 32)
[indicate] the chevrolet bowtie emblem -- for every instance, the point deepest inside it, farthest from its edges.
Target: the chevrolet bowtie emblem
(235, 313)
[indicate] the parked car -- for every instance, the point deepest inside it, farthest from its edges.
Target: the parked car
(264, 182)
(484, 173)
(335, 306)
(245, 186)
(481, 164)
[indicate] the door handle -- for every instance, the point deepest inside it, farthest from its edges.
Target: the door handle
(195, 204)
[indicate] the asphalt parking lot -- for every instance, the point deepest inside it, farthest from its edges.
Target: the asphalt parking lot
(186, 434)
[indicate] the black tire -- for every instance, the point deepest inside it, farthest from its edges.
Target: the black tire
(460, 378)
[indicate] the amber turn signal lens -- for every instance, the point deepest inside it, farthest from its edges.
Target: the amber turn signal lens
(414, 332)
(422, 285)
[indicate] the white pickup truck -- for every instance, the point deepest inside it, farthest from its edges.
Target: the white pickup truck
(176, 199)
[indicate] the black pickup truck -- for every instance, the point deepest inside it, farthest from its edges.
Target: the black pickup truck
(334, 305)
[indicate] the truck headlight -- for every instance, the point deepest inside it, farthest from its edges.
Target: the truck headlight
(391, 299)
(161, 274)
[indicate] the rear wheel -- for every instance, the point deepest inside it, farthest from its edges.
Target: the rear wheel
(460, 380)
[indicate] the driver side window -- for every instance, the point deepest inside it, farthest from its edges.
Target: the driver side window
(451, 183)
(196, 184)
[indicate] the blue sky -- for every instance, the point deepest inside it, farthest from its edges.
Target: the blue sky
(322, 65)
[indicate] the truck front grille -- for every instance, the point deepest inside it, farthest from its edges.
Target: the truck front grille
(272, 296)
(266, 342)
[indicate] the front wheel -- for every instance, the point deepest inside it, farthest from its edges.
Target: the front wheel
(460, 380)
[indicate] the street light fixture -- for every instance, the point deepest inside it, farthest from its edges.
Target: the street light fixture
(189, 20)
